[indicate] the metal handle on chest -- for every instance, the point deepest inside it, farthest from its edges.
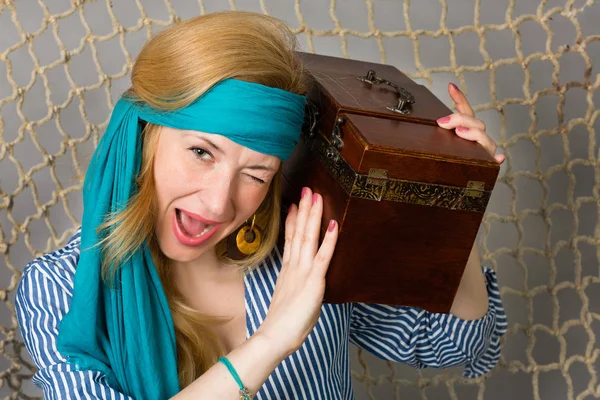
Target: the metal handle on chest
(405, 98)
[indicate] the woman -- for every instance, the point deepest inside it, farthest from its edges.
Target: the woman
(145, 301)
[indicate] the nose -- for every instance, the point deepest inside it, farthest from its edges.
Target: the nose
(218, 195)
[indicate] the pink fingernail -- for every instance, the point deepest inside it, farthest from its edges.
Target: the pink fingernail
(444, 120)
(315, 198)
(331, 226)
(462, 129)
(455, 87)
(304, 190)
(290, 209)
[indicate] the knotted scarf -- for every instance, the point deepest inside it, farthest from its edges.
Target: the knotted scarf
(125, 329)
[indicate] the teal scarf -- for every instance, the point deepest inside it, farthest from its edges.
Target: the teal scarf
(126, 330)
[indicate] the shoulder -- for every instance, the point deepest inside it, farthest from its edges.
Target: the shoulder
(50, 274)
(43, 298)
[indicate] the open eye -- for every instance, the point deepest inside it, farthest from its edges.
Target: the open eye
(200, 152)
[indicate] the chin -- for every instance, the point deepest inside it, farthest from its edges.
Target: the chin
(176, 251)
(180, 253)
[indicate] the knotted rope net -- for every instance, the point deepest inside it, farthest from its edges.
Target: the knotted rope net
(527, 66)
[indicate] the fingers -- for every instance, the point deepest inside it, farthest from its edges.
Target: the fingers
(500, 158)
(462, 104)
(310, 238)
(290, 228)
(479, 136)
(455, 120)
(300, 224)
(467, 126)
(302, 232)
(325, 253)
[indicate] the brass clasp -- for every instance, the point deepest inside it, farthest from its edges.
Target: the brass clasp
(475, 189)
(377, 177)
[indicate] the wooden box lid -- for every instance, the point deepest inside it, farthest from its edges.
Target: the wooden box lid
(408, 145)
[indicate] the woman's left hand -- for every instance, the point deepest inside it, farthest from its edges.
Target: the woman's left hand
(466, 125)
(470, 301)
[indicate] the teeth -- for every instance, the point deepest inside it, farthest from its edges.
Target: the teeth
(208, 227)
(179, 219)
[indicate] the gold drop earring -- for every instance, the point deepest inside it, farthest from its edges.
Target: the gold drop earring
(245, 241)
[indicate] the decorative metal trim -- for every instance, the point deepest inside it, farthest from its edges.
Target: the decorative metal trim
(376, 186)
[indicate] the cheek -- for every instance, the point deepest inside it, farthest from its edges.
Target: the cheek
(169, 175)
(161, 172)
(249, 201)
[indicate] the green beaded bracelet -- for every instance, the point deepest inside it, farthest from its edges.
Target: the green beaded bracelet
(244, 393)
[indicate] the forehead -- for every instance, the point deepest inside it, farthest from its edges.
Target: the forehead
(223, 145)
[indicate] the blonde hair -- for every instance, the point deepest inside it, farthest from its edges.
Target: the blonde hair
(173, 69)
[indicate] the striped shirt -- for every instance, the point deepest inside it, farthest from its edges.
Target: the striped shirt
(320, 369)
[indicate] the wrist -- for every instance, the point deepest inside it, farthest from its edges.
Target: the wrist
(273, 345)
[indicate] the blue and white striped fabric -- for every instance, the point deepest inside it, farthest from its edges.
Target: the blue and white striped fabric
(320, 369)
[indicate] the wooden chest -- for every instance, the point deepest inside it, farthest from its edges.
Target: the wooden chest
(408, 195)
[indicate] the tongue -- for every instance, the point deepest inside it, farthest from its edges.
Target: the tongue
(192, 227)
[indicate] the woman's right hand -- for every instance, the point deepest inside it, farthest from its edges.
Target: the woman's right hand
(294, 311)
(298, 296)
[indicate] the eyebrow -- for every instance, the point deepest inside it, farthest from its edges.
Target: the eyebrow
(261, 167)
(220, 150)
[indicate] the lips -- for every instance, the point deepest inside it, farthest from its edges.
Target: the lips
(191, 226)
(191, 229)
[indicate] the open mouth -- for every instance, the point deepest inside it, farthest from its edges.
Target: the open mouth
(191, 231)
(190, 226)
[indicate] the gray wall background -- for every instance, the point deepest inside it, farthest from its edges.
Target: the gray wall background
(546, 200)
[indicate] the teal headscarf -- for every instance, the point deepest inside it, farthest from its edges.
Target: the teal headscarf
(126, 330)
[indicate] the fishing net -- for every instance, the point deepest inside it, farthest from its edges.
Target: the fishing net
(527, 66)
